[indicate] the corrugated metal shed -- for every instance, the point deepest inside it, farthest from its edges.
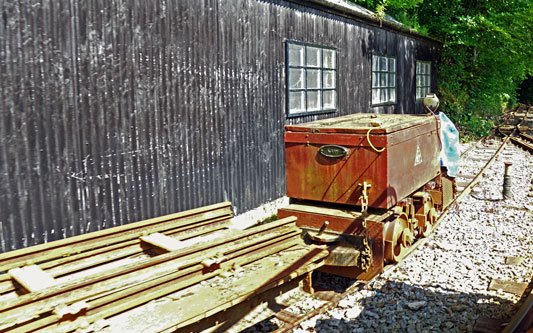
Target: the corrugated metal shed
(117, 111)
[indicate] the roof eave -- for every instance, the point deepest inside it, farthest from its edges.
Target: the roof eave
(363, 14)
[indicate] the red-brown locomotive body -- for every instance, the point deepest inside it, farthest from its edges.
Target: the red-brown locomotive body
(365, 184)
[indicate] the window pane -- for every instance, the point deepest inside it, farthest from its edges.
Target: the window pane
(330, 99)
(313, 101)
(382, 64)
(329, 79)
(392, 95)
(392, 64)
(382, 80)
(392, 80)
(375, 63)
(296, 55)
(329, 60)
(375, 80)
(313, 57)
(418, 65)
(296, 101)
(375, 96)
(313, 78)
(382, 97)
(296, 78)
(428, 68)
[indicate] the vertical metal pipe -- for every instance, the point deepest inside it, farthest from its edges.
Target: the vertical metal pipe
(507, 181)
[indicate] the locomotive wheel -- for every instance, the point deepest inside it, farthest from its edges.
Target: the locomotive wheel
(426, 213)
(398, 237)
(430, 222)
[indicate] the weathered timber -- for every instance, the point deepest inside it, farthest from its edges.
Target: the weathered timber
(42, 301)
(516, 288)
(80, 243)
(162, 241)
(488, 325)
(32, 278)
(99, 256)
(513, 260)
(233, 319)
(130, 297)
(267, 274)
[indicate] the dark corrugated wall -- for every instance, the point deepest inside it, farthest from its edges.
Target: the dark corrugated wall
(117, 111)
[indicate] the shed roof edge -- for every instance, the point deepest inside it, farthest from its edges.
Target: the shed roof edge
(366, 15)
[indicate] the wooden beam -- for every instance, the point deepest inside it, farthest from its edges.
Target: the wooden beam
(14, 311)
(162, 241)
(32, 278)
(127, 298)
(78, 262)
(76, 244)
(516, 288)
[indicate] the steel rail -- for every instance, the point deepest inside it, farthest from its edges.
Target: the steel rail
(525, 141)
(523, 319)
(523, 144)
(360, 285)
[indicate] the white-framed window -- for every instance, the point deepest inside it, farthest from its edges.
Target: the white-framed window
(423, 79)
(311, 78)
(383, 80)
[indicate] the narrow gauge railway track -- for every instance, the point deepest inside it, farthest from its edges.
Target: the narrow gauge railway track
(480, 158)
(524, 140)
(520, 123)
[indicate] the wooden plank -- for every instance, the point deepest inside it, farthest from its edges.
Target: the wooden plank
(465, 176)
(286, 316)
(130, 297)
(523, 318)
(237, 318)
(488, 325)
(516, 288)
(26, 306)
(360, 123)
(91, 258)
(84, 242)
(162, 241)
(32, 278)
(323, 210)
(265, 275)
(514, 260)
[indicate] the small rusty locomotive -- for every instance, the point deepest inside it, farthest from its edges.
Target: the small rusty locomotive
(367, 185)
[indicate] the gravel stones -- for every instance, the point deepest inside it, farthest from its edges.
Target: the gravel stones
(415, 306)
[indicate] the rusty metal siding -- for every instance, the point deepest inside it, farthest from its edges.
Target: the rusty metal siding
(117, 111)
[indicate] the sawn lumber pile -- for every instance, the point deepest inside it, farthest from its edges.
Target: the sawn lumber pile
(154, 275)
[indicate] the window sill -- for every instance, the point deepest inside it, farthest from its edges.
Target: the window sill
(309, 113)
(384, 104)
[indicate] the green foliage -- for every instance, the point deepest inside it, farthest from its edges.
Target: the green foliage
(486, 52)
(525, 91)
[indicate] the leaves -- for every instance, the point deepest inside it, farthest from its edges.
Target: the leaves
(487, 52)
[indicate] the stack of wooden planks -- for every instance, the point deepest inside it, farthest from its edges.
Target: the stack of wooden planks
(154, 275)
